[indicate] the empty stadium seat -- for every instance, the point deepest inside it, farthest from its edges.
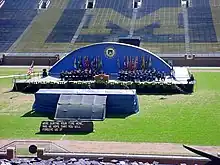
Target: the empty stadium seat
(15, 16)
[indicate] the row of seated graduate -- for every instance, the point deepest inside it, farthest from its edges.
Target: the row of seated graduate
(141, 75)
(123, 75)
(78, 75)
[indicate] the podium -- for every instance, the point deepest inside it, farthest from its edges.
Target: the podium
(101, 78)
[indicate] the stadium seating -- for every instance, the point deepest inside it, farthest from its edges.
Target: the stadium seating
(201, 28)
(111, 19)
(20, 5)
(149, 6)
(156, 22)
(180, 20)
(66, 26)
(76, 4)
(123, 6)
(15, 16)
(88, 21)
(114, 23)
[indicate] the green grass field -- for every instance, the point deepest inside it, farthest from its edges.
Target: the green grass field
(192, 119)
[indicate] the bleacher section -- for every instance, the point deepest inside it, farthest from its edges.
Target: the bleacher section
(68, 22)
(150, 6)
(159, 24)
(66, 26)
(34, 39)
(76, 4)
(215, 9)
(15, 16)
(201, 28)
(20, 4)
(123, 7)
(156, 22)
(204, 26)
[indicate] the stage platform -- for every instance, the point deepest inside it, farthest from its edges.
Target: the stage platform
(179, 84)
(86, 104)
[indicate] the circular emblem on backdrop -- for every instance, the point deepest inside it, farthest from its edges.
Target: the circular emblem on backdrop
(110, 52)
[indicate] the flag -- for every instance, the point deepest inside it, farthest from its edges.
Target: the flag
(31, 68)
(93, 63)
(118, 62)
(87, 62)
(143, 63)
(80, 64)
(96, 62)
(99, 63)
(130, 63)
(75, 63)
(146, 62)
(136, 63)
(125, 64)
(149, 62)
(84, 62)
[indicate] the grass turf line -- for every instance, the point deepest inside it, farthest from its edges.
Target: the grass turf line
(192, 119)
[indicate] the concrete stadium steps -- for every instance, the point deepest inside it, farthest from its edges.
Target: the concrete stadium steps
(76, 4)
(58, 4)
(15, 16)
(165, 16)
(109, 22)
(201, 27)
(168, 29)
(34, 39)
(20, 4)
(216, 21)
(150, 6)
(209, 48)
(123, 6)
(67, 26)
(178, 48)
(97, 25)
(104, 26)
(215, 3)
(102, 16)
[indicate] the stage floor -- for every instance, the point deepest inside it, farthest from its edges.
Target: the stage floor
(181, 75)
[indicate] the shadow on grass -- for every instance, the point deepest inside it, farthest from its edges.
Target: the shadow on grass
(123, 116)
(37, 114)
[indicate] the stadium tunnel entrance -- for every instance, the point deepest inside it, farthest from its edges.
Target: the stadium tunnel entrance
(110, 58)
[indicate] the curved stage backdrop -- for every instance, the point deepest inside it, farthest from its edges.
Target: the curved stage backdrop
(110, 58)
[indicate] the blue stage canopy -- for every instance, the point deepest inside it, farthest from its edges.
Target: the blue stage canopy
(110, 57)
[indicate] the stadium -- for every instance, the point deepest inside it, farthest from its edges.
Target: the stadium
(119, 81)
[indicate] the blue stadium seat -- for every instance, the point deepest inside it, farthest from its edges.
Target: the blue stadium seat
(149, 6)
(123, 6)
(201, 27)
(15, 16)
(76, 4)
(180, 20)
(20, 4)
(66, 26)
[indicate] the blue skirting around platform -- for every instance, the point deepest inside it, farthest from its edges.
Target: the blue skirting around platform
(119, 102)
